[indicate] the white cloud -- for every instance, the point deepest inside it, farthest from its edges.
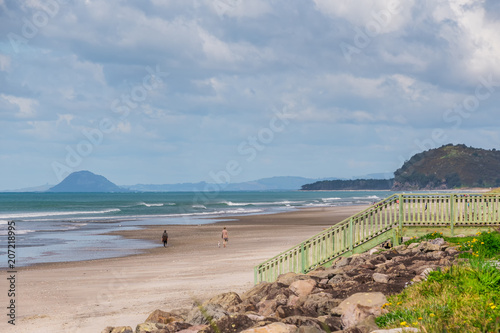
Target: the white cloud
(26, 106)
(4, 63)
(240, 8)
(472, 36)
(387, 15)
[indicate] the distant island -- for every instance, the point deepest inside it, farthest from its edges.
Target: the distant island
(86, 181)
(447, 167)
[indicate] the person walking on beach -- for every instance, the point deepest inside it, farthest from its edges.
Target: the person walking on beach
(224, 236)
(164, 238)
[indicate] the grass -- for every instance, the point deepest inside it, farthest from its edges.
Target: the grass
(462, 298)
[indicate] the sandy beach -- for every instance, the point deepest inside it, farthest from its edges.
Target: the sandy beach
(87, 296)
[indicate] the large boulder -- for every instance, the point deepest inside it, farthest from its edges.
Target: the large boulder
(380, 278)
(225, 300)
(229, 324)
(151, 328)
(321, 303)
(162, 317)
(367, 325)
(376, 299)
(273, 328)
(303, 287)
(203, 315)
(344, 261)
(120, 329)
(264, 290)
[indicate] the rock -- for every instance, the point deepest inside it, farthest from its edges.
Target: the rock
(289, 278)
(357, 313)
(435, 255)
(302, 321)
(151, 328)
(229, 324)
(400, 248)
(444, 262)
(367, 266)
(336, 270)
(267, 308)
(321, 303)
(225, 300)
(429, 247)
(451, 251)
(309, 329)
(320, 274)
(413, 245)
(376, 299)
(332, 323)
(437, 241)
(418, 278)
(343, 262)
(303, 287)
(202, 315)
(380, 278)
(163, 317)
(193, 329)
(426, 272)
(357, 260)
(290, 311)
(398, 330)
(273, 328)
(365, 326)
(266, 290)
(120, 329)
(338, 279)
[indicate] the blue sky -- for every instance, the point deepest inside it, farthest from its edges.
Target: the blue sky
(233, 90)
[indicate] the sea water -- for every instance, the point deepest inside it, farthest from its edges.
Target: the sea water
(56, 227)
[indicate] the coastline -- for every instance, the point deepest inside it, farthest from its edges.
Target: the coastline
(59, 297)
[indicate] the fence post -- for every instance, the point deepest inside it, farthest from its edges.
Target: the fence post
(303, 259)
(351, 235)
(452, 213)
(401, 215)
(255, 275)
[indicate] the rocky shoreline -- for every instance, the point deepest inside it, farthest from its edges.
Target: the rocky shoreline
(345, 297)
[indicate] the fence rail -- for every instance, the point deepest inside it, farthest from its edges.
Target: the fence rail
(395, 212)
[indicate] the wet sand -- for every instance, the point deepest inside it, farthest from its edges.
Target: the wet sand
(87, 296)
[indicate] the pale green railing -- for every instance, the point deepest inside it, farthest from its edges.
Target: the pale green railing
(380, 222)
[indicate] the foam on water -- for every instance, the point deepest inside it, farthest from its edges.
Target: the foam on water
(54, 213)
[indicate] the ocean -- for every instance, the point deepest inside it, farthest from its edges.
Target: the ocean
(57, 227)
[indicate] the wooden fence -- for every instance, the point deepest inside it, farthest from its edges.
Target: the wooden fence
(380, 222)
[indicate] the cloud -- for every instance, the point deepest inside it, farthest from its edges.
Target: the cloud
(26, 107)
(227, 67)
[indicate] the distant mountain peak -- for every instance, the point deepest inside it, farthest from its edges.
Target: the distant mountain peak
(86, 181)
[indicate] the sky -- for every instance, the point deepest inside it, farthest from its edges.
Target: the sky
(172, 91)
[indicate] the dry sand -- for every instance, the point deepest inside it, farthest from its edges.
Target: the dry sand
(87, 296)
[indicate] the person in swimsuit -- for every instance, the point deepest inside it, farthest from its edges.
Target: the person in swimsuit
(224, 236)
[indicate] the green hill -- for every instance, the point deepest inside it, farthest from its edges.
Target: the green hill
(448, 167)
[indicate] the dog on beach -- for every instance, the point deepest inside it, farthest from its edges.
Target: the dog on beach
(218, 244)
